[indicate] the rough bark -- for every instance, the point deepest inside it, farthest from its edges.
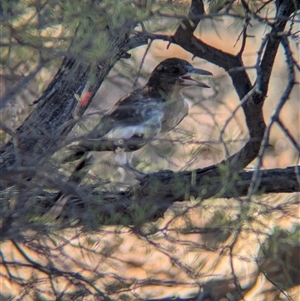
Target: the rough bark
(157, 192)
(52, 120)
(48, 123)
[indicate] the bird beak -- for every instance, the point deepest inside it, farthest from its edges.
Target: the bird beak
(187, 80)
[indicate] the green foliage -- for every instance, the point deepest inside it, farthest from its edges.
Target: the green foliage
(278, 258)
(192, 234)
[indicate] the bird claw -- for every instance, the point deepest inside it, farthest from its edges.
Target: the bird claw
(138, 174)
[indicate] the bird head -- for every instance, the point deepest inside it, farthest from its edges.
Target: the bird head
(175, 72)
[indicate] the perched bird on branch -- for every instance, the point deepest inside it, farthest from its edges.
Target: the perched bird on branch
(141, 115)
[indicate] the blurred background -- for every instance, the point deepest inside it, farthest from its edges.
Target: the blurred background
(188, 250)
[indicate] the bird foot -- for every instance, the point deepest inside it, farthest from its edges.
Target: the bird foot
(138, 174)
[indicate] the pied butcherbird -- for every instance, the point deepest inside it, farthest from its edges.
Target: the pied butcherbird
(140, 116)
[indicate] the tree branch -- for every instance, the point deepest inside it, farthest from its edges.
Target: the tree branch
(157, 192)
(250, 101)
(284, 10)
(53, 118)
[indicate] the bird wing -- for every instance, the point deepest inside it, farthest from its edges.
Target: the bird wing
(136, 115)
(132, 123)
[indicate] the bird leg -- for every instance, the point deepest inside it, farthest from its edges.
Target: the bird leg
(138, 174)
(124, 160)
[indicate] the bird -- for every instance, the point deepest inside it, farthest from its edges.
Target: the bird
(139, 117)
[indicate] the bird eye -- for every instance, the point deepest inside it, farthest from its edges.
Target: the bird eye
(175, 70)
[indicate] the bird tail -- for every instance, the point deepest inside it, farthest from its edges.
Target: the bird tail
(77, 151)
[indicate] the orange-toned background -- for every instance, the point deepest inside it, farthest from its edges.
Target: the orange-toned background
(177, 263)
